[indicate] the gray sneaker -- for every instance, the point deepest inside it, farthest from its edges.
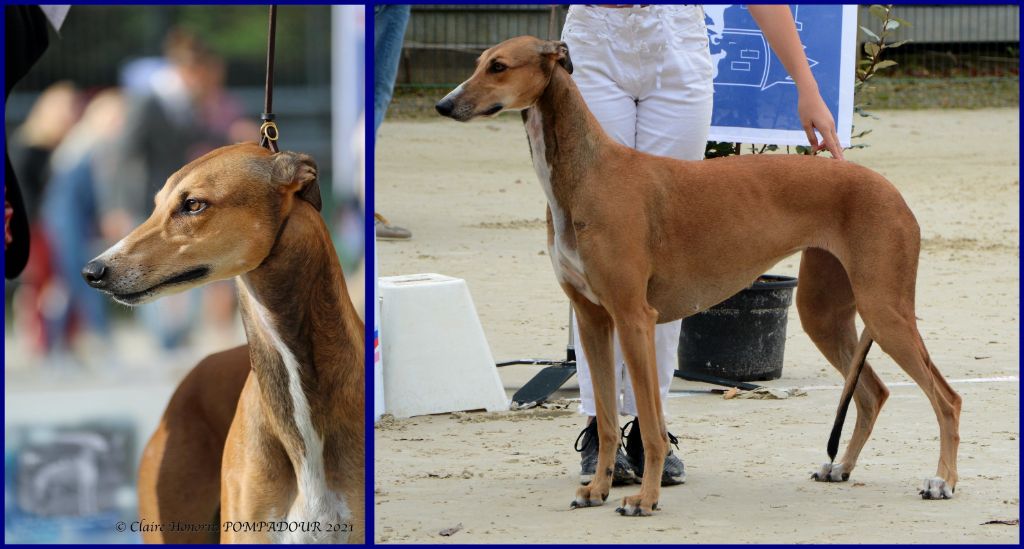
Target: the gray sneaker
(674, 472)
(386, 231)
(587, 445)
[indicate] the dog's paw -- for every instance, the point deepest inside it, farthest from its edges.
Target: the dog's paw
(633, 507)
(588, 496)
(579, 503)
(936, 488)
(831, 472)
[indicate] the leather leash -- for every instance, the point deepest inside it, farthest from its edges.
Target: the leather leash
(268, 130)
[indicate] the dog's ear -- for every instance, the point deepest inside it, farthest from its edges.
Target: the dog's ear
(560, 52)
(298, 173)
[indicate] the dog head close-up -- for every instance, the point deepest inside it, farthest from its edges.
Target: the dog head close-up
(216, 218)
(509, 76)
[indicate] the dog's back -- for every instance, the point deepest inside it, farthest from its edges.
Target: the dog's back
(179, 472)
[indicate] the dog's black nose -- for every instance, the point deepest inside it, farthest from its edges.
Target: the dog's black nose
(445, 107)
(95, 273)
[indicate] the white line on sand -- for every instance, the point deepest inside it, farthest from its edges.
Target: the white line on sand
(694, 392)
(911, 383)
(689, 393)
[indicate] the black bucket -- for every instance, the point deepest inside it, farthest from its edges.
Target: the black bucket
(741, 338)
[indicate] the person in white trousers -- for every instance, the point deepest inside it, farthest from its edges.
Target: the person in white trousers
(646, 72)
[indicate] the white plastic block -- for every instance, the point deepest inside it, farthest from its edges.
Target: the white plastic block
(436, 358)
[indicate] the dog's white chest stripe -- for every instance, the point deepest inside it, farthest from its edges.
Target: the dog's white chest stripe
(315, 502)
(564, 258)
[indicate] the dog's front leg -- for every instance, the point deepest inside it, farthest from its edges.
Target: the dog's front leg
(635, 327)
(596, 335)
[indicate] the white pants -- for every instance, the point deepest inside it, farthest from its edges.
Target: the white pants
(646, 74)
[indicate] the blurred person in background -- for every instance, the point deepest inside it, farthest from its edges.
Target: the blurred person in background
(31, 146)
(164, 126)
(389, 23)
(49, 120)
(221, 115)
(74, 312)
(25, 39)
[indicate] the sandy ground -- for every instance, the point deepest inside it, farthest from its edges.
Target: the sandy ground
(469, 195)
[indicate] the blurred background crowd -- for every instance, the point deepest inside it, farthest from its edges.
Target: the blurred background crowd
(122, 98)
(90, 161)
(94, 131)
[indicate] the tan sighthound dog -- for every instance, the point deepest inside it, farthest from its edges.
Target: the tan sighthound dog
(272, 431)
(637, 239)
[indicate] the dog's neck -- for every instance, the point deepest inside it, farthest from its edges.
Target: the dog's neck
(565, 139)
(302, 331)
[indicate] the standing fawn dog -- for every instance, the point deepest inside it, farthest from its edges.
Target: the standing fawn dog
(272, 431)
(637, 239)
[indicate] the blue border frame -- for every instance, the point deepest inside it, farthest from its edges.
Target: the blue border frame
(370, 245)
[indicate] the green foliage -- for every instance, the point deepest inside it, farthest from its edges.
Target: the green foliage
(716, 149)
(877, 43)
(868, 66)
(239, 33)
(763, 149)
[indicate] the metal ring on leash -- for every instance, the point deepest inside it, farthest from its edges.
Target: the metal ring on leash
(269, 131)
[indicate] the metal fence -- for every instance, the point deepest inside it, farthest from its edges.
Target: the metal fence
(946, 40)
(442, 40)
(954, 41)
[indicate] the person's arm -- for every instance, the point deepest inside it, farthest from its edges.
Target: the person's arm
(122, 190)
(776, 23)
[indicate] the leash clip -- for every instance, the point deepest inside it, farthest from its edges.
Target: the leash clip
(269, 130)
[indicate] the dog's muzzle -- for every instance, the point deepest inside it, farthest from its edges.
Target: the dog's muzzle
(95, 274)
(455, 108)
(445, 107)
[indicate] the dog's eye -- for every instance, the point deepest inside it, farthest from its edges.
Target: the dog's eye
(193, 206)
(498, 67)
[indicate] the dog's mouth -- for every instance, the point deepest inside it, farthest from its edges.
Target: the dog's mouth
(493, 110)
(465, 112)
(136, 298)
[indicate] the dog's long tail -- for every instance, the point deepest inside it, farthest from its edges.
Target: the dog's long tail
(860, 356)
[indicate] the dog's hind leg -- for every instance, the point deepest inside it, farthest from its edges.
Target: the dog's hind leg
(895, 331)
(826, 305)
(596, 335)
(884, 282)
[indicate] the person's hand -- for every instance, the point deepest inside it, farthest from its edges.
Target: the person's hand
(814, 115)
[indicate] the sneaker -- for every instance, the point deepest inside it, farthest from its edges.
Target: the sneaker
(386, 231)
(674, 472)
(587, 445)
